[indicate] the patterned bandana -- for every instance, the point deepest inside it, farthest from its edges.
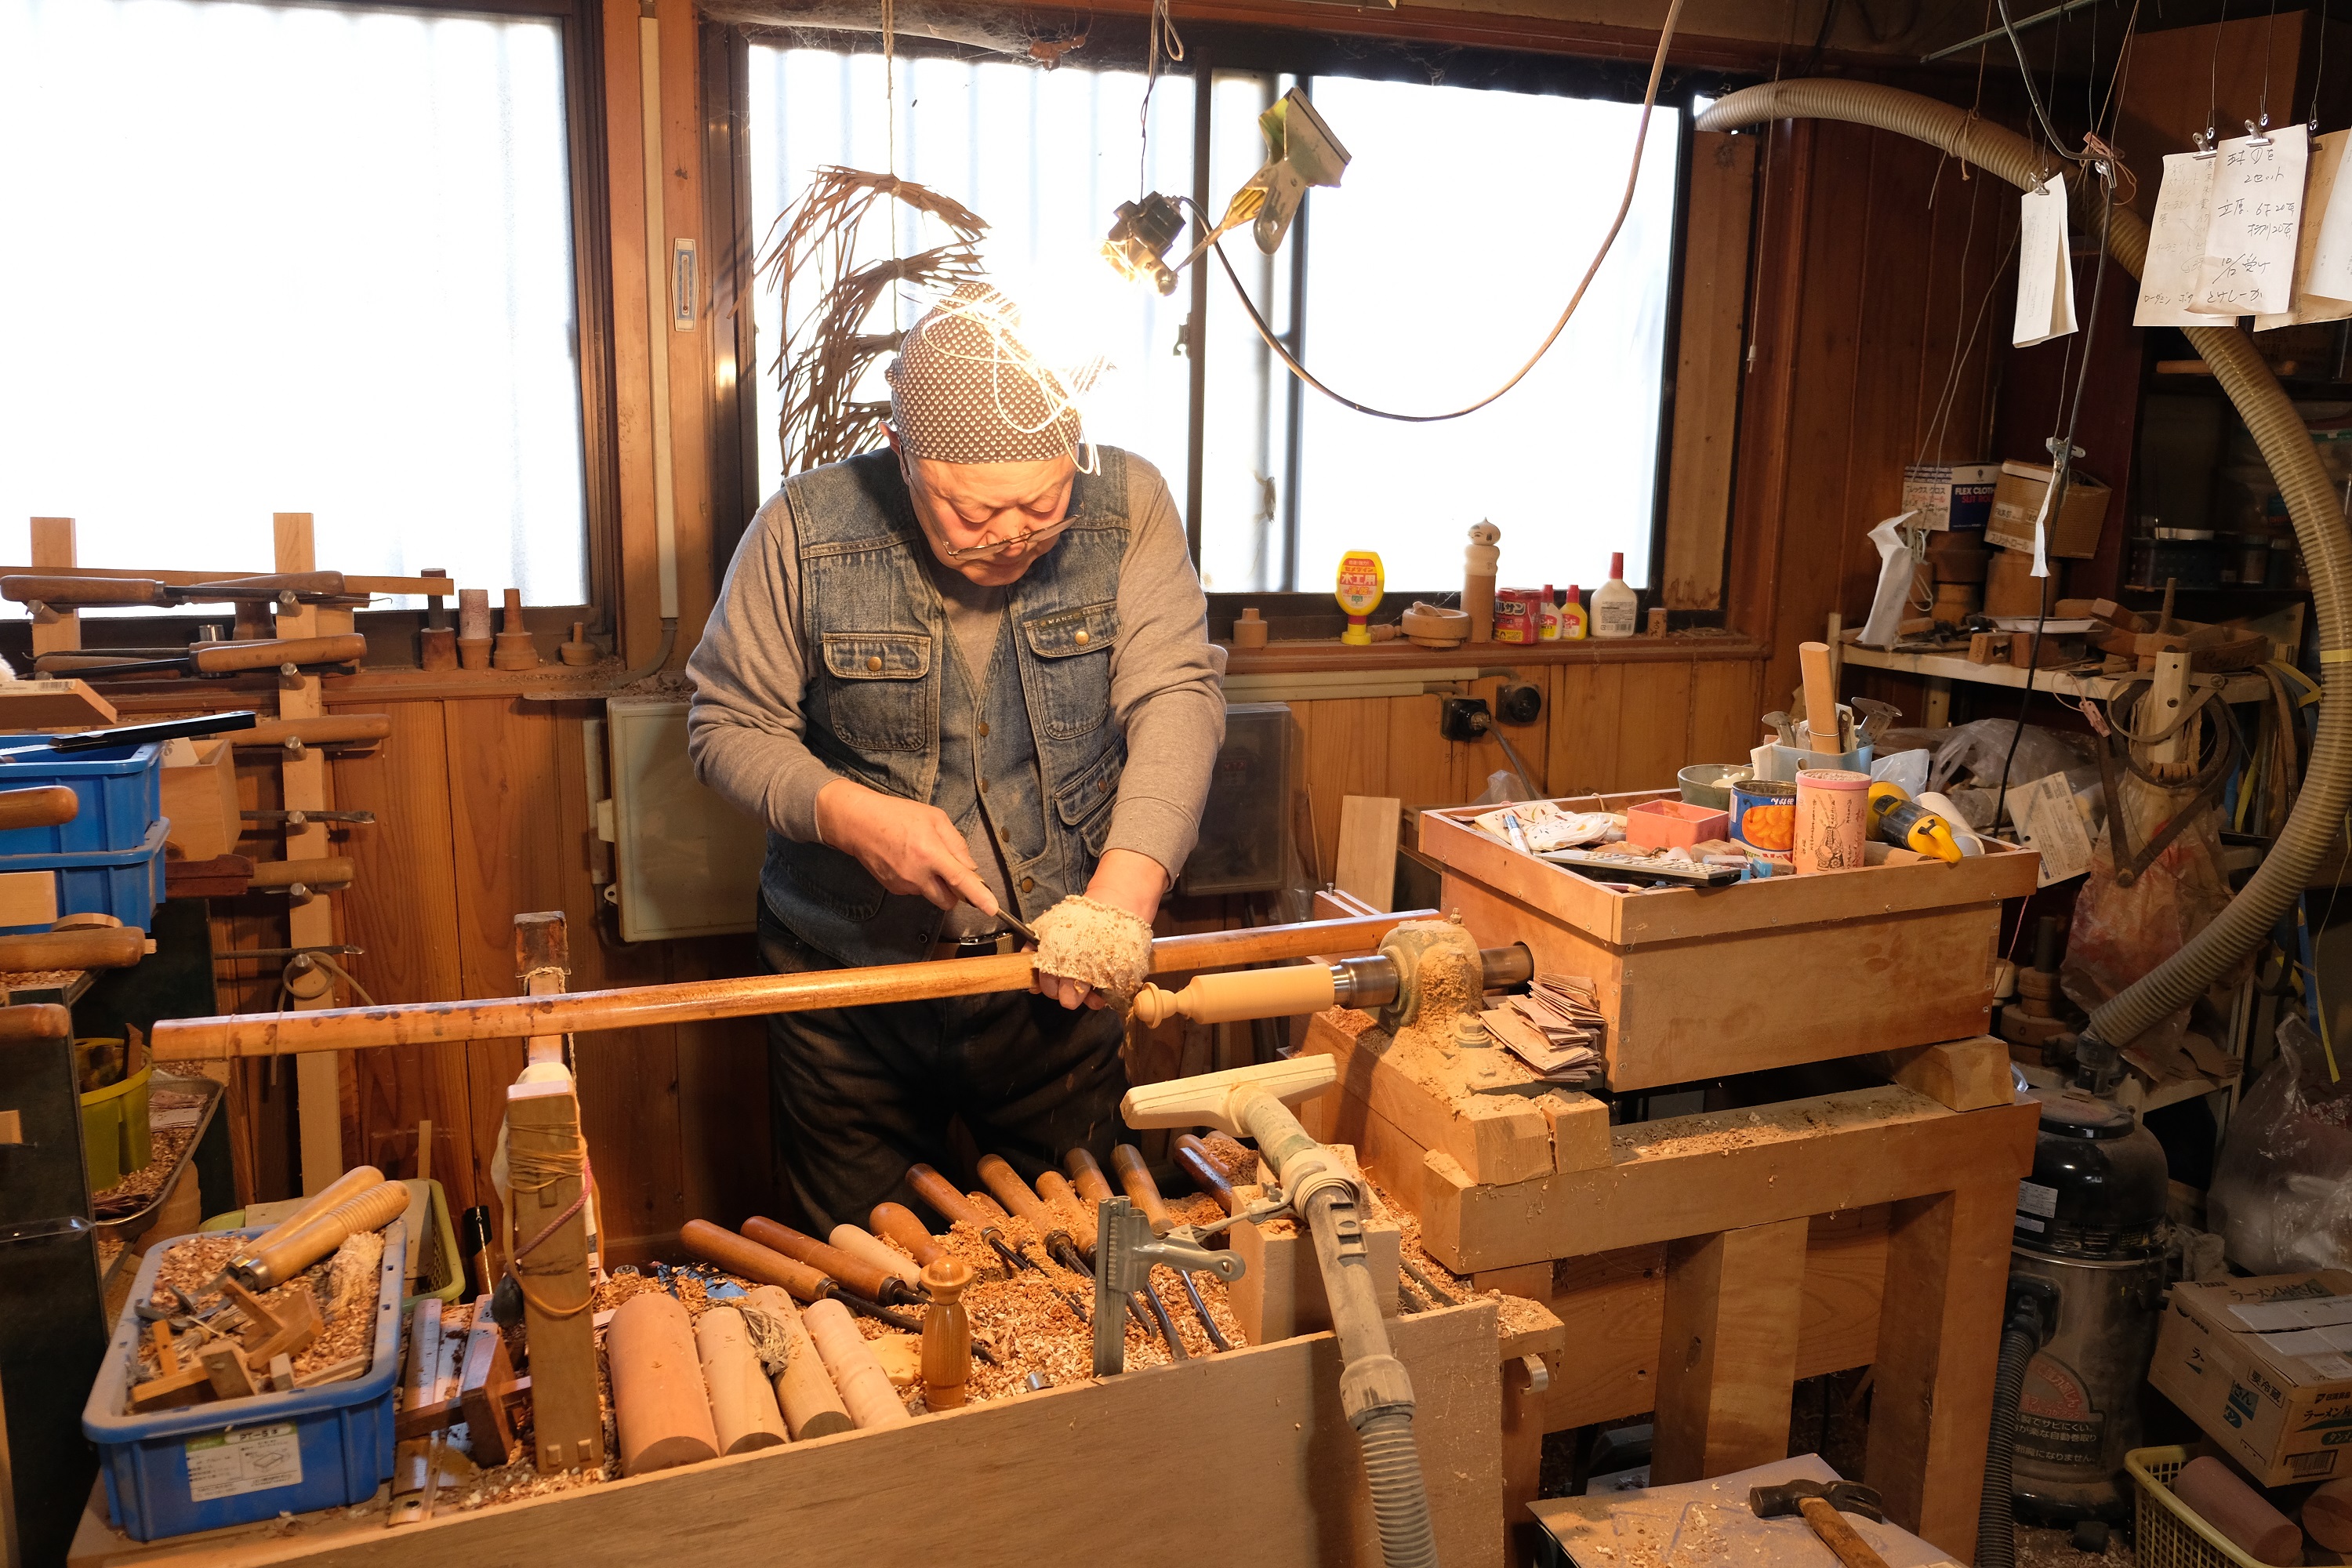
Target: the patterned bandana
(966, 389)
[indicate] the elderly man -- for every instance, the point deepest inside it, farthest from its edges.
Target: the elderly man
(962, 676)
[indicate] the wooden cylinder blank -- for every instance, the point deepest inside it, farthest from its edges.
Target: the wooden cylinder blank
(812, 1405)
(865, 1245)
(2327, 1515)
(865, 1387)
(743, 1409)
(659, 1407)
(2239, 1511)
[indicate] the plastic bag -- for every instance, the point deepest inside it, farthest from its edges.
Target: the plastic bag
(2281, 1194)
(1505, 785)
(1907, 771)
(2119, 933)
(1975, 753)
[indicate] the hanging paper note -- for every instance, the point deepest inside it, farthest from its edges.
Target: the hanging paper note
(2176, 244)
(2327, 211)
(2318, 191)
(2045, 276)
(2250, 237)
(1895, 565)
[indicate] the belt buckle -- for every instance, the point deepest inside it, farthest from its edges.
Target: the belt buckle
(982, 946)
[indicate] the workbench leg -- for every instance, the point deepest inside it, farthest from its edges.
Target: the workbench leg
(1728, 1358)
(1523, 1436)
(1931, 1406)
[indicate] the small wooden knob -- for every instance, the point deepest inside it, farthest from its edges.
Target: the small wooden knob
(947, 1278)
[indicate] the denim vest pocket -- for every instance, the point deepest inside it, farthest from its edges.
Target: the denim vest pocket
(1073, 649)
(1084, 804)
(872, 704)
(836, 881)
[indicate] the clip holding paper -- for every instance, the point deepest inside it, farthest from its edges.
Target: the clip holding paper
(2206, 144)
(2254, 135)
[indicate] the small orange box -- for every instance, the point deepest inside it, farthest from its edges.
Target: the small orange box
(1665, 824)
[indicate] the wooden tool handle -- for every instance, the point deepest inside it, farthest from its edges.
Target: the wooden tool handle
(1077, 1218)
(1193, 1158)
(222, 658)
(1837, 1535)
(866, 1246)
(898, 1222)
(753, 1261)
(338, 730)
(1015, 1194)
(343, 1189)
(35, 1021)
(853, 1273)
(1282, 992)
(1088, 1176)
(101, 947)
(327, 871)
(49, 806)
(1820, 695)
(288, 1254)
(69, 593)
(946, 1200)
(1142, 1190)
(990, 1210)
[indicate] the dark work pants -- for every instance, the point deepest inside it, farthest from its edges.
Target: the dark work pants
(858, 1094)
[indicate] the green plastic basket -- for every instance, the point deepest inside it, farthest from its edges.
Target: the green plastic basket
(114, 1129)
(438, 1267)
(2167, 1532)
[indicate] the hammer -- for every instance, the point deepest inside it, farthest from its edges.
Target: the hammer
(1820, 1505)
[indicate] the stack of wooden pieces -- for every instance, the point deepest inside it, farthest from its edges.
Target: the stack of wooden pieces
(1555, 1028)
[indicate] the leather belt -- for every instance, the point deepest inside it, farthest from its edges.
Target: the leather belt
(986, 944)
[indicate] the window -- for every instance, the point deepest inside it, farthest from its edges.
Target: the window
(1433, 272)
(291, 257)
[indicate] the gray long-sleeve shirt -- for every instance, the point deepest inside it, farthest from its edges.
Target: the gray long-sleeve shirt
(745, 729)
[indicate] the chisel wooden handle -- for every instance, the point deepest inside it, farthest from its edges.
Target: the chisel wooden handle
(101, 947)
(343, 1189)
(1821, 696)
(336, 730)
(898, 1222)
(1088, 1177)
(1074, 1216)
(866, 1246)
(71, 592)
(853, 1273)
(327, 871)
(753, 1261)
(1142, 1190)
(1192, 1157)
(220, 658)
(289, 1251)
(946, 1200)
(1017, 1194)
(49, 806)
(35, 1021)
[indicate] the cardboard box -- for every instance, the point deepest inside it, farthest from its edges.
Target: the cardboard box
(1949, 495)
(2012, 589)
(2265, 1366)
(2017, 501)
(200, 798)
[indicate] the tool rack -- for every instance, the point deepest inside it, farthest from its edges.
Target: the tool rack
(1703, 1264)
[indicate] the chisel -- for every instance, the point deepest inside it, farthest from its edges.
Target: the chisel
(866, 1278)
(865, 1244)
(1079, 1224)
(77, 593)
(955, 1208)
(1144, 1193)
(1018, 1199)
(216, 658)
(1192, 1157)
(769, 1267)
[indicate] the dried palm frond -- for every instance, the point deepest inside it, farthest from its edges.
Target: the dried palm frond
(826, 352)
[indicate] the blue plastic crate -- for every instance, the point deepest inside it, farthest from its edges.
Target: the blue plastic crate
(127, 884)
(229, 1462)
(121, 791)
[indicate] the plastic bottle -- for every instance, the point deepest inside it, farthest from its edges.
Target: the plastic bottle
(1615, 609)
(1574, 625)
(1360, 581)
(1548, 616)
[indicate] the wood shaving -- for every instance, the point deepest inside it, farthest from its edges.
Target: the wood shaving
(195, 1263)
(1108, 948)
(132, 1193)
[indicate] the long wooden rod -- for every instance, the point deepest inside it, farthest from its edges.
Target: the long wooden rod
(641, 1007)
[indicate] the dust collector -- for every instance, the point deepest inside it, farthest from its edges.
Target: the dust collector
(2087, 1259)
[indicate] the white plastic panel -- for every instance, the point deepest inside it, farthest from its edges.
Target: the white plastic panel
(685, 863)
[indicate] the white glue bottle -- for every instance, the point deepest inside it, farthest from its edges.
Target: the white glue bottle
(1615, 609)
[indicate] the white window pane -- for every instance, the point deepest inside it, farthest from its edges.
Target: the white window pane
(290, 258)
(1244, 442)
(1433, 272)
(1044, 157)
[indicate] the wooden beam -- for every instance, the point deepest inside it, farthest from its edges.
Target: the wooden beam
(66, 568)
(1706, 381)
(53, 555)
(310, 922)
(1727, 1357)
(542, 1126)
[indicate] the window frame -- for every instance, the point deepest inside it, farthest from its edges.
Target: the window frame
(1115, 42)
(581, 25)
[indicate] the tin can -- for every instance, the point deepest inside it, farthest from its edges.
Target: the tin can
(1764, 815)
(1832, 818)
(1516, 615)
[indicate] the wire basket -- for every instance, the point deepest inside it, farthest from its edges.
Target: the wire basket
(2167, 1532)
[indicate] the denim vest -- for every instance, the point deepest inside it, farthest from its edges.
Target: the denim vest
(887, 702)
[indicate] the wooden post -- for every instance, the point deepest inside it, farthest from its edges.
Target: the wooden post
(1946, 1266)
(310, 922)
(53, 545)
(543, 1131)
(1727, 1357)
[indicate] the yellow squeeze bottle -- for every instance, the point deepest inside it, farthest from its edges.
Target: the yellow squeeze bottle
(1573, 625)
(1362, 579)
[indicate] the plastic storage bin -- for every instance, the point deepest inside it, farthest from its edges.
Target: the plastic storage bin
(120, 789)
(125, 883)
(440, 1273)
(2166, 1531)
(114, 1130)
(229, 1462)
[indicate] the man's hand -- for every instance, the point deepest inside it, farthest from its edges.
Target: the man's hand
(1124, 880)
(908, 846)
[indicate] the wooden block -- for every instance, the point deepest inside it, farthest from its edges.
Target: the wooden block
(567, 1420)
(483, 1381)
(1281, 1295)
(281, 1374)
(1496, 1137)
(186, 1386)
(53, 704)
(224, 1366)
(1963, 1075)
(1729, 1353)
(1369, 828)
(200, 798)
(28, 898)
(1579, 1130)
(297, 1324)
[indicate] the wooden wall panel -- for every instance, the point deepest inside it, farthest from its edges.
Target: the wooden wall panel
(1707, 368)
(1587, 700)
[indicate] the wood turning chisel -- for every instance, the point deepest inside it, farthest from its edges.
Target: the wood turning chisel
(952, 1206)
(38, 594)
(1144, 1193)
(1078, 1220)
(222, 658)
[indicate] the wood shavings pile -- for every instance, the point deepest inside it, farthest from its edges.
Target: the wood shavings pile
(1721, 1131)
(1108, 948)
(347, 1318)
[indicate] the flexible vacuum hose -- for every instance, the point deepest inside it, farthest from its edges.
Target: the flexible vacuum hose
(2311, 501)
(1996, 1522)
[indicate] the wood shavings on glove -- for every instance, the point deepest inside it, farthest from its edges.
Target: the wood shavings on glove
(1109, 948)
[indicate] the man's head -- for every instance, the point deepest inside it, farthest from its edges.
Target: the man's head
(986, 434)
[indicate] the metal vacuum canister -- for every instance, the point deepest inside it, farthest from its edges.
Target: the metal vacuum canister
(2090, 1220)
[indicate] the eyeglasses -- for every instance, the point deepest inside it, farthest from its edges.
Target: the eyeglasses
(997, 546)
